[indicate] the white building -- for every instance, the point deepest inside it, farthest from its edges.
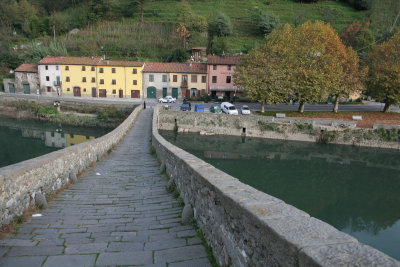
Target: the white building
(50, 76)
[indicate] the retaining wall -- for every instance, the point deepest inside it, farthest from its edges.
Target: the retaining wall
(246, 227)
(19, 183)
(295, 129)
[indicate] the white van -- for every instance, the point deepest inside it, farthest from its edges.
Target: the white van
(228, 108)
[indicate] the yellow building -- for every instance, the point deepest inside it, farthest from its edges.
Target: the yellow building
(95, 77)
(119, 79)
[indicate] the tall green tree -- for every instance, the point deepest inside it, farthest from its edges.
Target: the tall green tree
(383, 79)
(263, 72)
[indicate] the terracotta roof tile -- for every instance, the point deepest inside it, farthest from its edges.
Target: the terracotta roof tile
(175, 67)
(51, 61)
(25, 67)
(224, 60)
(80, 60)
(123, 63)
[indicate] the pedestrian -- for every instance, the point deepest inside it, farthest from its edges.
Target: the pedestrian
(144, 104)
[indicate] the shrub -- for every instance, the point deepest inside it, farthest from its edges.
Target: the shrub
(220, 26)
(47, 110)
(267, 22)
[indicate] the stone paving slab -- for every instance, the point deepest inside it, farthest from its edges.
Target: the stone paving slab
(124, 216)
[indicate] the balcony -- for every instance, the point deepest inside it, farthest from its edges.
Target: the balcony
(57, 83)
(184, 84)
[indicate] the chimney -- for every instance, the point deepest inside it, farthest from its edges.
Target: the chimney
(223, 53)
(108, 62)
(190, 65)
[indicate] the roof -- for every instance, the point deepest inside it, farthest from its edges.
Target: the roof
(175, 67)
(51, 61)
(93, 61)
(25, 67)
(224, 60)
(123, 63)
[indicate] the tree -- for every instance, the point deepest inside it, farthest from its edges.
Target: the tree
(267, 22)
(193, 22)
(178, 55)
(358, 36)
(383, 79)
(318, 63)
(220, 26)
(263, 72)
(349, 78)
(217, 46)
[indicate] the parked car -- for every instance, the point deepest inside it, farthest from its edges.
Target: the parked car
(245, 110)
(228, 108)
(215, 109)
(185, 107)
(167, 99)
(198, 108)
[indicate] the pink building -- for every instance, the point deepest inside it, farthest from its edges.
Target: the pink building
(220, 71)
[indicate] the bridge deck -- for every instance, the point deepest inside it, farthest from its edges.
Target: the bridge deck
(118, 214)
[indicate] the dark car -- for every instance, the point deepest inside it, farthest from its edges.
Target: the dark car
(185, 107)
(198, 108)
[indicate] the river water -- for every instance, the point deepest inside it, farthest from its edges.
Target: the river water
(25, 139)
(355, 189)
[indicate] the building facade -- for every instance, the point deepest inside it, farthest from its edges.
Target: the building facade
(26, 80)
(50, 78)
(220, 70)
(178, 80)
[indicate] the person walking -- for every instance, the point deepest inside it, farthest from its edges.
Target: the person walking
(144, 104)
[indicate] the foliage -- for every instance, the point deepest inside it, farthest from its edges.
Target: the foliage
(187, 17)
(220, 26)
(383, 79)
(358, 36)
(388, 135)
(263, 72)
(43, 111)
(217, 46)
(178, 55)
(36, 51)
(267, 22)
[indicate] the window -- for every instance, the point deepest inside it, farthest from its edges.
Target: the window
(84, 89)
(164, 78)
(47, 78)
(203, 79)
(134, 82)
(67, 79)
(83, 79)
(151, 78)
(134, 71)
(184, 78)
(113, 70)
(175, 78)
(93, 80)
(214, 67)
(101, 81)
(92, 68)
(48, 89)
(66, 67)
(68, 89)
(228, 79)
(46, 67)
(214, 79)
(114, 91)
(83, 68)
(114, 82)
(229, 67)
(101, 70)
(194, 78)
(56, 67)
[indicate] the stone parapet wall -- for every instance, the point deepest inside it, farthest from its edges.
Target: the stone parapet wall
(19, 183)
(246, 227)
(295, 129)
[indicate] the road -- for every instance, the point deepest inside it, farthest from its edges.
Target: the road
(368, 105)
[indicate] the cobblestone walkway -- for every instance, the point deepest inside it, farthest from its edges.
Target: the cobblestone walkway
(118, 214)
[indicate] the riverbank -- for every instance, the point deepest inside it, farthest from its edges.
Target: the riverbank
(295, 129)
(68, 112)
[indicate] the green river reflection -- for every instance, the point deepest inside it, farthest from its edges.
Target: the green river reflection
(355, 189)
(25, 139)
